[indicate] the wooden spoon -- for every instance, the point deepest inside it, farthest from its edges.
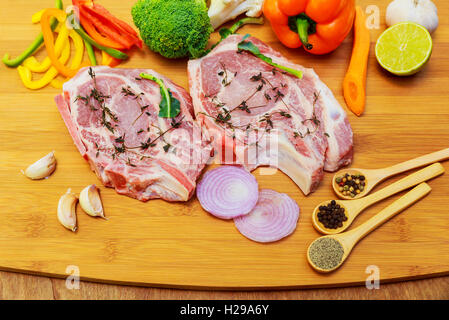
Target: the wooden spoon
(349, 239)
(375, 176)
(354, 207)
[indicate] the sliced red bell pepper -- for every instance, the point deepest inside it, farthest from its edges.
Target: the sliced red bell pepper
(92, 31)
(108, 24)
(102, 10)
(104, 27)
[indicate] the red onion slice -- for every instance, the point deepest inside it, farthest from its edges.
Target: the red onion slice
(274, 217)
(228, 192)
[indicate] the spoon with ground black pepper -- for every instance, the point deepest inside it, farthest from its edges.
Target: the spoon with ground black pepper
(328, 253)
(335, 216)
(352, 183)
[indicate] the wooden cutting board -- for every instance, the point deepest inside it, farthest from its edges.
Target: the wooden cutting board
(180, 245)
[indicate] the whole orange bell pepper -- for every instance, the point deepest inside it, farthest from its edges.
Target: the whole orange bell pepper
(320, 26)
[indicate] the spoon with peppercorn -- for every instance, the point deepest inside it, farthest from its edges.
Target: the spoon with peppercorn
(356, 183)
(328, 253)
(335, 216)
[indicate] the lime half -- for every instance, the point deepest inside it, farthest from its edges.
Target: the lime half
(404, 48)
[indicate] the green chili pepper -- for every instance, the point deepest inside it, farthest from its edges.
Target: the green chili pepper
(13, 63)
(110, 51)
(169, 107)
(90, 53)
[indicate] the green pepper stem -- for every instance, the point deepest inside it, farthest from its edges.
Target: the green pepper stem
(303, 25)
(110, 51)
(90, 52)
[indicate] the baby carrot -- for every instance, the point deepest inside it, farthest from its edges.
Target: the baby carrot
(354, 84)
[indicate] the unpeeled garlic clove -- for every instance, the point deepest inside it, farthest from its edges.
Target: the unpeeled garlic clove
(90, 201)
(42, 168)
(66, 210)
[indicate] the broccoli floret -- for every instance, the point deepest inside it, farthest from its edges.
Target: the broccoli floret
(174, 28)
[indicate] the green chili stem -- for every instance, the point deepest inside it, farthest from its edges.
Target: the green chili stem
(90, 53)
(13, 63)
(244, 21)
(303, 31)
(112, 52)
(253, 49)
(161, 85)
(225, 32)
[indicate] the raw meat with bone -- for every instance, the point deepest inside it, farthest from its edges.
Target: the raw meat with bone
(258, 115)
(112, 116)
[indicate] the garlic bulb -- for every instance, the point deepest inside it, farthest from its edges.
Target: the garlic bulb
(423, 12)
(42, 168)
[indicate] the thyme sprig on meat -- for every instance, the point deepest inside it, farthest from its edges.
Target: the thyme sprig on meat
(314, 119)
(224, 74)
(106, 114)
(224, 116)
(278, 95)
(152, 142)
(138, 97)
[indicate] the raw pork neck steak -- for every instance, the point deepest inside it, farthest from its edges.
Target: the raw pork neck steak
(112, 116)
(258, 115)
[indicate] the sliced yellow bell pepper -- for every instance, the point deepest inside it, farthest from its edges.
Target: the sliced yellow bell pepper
(52, 73)
(26, 74)
(105, 59)
(77, 59)
(62, 39)
(57, 84)
(108, 60)
(36, 18)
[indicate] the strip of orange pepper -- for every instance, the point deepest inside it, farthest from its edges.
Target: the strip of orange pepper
(320, 26)
(49, 41)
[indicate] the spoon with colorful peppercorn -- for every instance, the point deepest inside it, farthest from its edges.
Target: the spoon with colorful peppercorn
(356, 183)
(335, 216)
(328, 253)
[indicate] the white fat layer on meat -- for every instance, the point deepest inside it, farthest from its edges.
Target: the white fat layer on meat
(167, 184)
(333, 115)
(280, 154)
(289, 161)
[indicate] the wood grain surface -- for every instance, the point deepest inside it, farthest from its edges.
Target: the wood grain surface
(22, 286)
(179, 245)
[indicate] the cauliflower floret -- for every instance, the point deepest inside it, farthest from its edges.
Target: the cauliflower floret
(221, 11)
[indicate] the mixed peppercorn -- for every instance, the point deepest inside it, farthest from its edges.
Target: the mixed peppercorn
(332, 216)
(351, 185)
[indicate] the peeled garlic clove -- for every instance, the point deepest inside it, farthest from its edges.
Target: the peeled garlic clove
(66, 210)
(90, 201)
(42, 168)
